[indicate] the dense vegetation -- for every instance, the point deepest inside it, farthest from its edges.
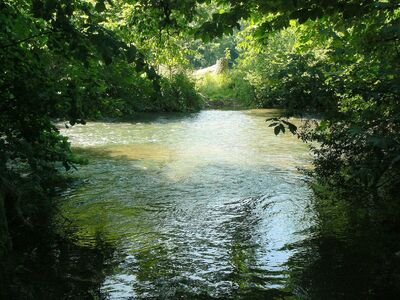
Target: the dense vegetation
(79, 60)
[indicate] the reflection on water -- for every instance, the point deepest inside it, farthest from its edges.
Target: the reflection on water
(196, 206)
(53, 266)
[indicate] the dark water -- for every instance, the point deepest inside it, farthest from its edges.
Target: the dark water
(203, 206)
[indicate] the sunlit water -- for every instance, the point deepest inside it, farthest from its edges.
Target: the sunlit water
(198, 205)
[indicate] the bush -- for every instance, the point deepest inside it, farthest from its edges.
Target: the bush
(178, 94)
(297, 84)
(230, 85)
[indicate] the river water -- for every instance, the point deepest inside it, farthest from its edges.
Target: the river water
(199, 205)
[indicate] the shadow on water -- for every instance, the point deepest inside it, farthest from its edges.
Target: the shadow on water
(49, 265)
(146, 117)
(361, 262)
(168, 117)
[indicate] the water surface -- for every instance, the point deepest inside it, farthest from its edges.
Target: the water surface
(195, 206)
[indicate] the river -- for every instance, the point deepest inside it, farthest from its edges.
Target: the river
(199, 205)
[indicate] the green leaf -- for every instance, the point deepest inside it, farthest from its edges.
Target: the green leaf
(131, 54)
(140, 64)
(66, 165)
(282, 128)
(272, 119)
(100, 6)
(293, 128)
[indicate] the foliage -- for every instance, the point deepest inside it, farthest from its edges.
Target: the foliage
(203, 55)
(285, 75)
(275, 15)
(229, 85)
(360, 142)
(179, 94)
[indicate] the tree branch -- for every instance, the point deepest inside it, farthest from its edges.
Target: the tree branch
(27, 39)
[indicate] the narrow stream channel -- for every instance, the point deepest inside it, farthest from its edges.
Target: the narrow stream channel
(195, 206)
